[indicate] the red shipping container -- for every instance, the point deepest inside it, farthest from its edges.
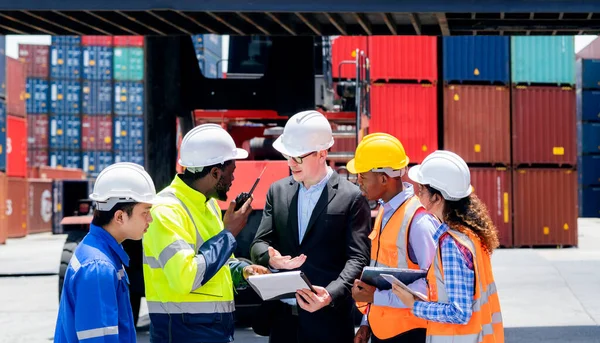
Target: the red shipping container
(47, 172)
(16, 207)
(3, 218)
(544, 125)
(344, 139)
(545, 207)
(344, 49)
(37, 157)
(15, 87)
(477, 123)
(403, 58)
(131, 41)
(493, 187)
(37, 131)
(36, 59)
(16, 146)
(96, 40)
(39, 217)
(96, 132)
(408, 112)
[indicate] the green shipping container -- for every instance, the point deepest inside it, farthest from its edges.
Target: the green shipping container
(129, 64)
(543, 59)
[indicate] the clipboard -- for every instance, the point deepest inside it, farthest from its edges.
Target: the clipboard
(372, 276)
(279, 285)
(392, 280)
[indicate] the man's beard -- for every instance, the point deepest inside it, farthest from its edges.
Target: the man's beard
(221, 189)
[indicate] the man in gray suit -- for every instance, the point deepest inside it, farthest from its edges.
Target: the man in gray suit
(319, 223)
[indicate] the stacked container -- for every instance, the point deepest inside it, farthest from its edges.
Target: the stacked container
(2, 109)
(208, 51)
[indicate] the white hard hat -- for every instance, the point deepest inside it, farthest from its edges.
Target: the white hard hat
(123, 182)
(207, 145)
(445, 171)
(304, 133)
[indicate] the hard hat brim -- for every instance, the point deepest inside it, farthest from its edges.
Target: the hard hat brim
(413, 174)
(278, 145)
(240, 154)
(351, 166)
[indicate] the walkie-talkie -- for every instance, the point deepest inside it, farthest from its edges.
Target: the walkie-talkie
(241, 199)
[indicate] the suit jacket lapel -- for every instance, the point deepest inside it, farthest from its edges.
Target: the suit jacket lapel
(292, 202)
(326, 196)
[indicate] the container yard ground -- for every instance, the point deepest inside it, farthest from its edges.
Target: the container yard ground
(547, 295)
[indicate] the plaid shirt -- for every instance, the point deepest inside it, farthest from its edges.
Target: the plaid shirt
(459, 277)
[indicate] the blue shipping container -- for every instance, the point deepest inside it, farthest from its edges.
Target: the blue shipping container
(130, 156)
(588, 74)
(543, 59)
(2, 135)
(97, 97)
(37, 96)
(476, 58)
(97, 62)
(65, 62)
(209, 42)
(589, 202)
(129, 98)
(208, 65)
(128, 133)
(95, 161)
(588, 170)
(588, 138)
(65, 159)
(65, 97)
(2, 66)
(588, 105)
(66, 40)
(65, 131)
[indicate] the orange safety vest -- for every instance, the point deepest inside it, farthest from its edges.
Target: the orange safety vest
(387, 322)
(485, 325)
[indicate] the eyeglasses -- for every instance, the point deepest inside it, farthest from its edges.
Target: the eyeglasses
(298, 159)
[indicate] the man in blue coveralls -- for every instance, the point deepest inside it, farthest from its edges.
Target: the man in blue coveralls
(94, 304)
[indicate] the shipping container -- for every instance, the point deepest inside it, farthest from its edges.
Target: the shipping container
(37, 131)
(65, 62)
(589, 202)
(96, 132)
(54, 173)
(66, 195)
(408, 112)
(344, 139)
(493, 187)
(65, 131)
(2, 67)
(39, 217)
(543, 59)
(97, 62)
(2, 135)
(588, 169)
(65, 159)
(209, 65)
(543, 125)
(65, 97)
(37, 157)
(545, 207)
(343, 48)
(130, 156)
(35, 58)
(209, 42)
(15, 87)
(3, 219)
(16, 207)
(124, 41)
(403, 58)
(588, 74)
(96, 40)
(16, 146)
(588, 105)
(477, 123)
(129, 98)
(37, 96)
(129, 64)
(95, 161)
(129, 133)
(476, 58)
(588, 138)
(97, 97)
(66, 40)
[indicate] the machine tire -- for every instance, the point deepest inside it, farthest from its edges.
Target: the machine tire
(73, 240)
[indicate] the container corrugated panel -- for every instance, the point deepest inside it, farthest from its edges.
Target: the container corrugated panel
(588, 170)
(589, 202)
(493, 187)
(543, 59)
(210, 42)
(130, 156)
(96, 132)
(16, 146)
(588, 105)
(65, 62)
(65, 97)
(343, 48)
(95, 161)
(3, 192)
(208, 65)
(129, 133)
(409, 112)
(97, 97)
(37, 157)
(476, 58)
(39, 217)
(66, 40)
(543, 125)
(16, 207)
(129, 98)
(588, 74)
(65, 130)
(545, 207)
(37, 131)
(15, 87)
(65, 159)
(588, 138)
(96, 40)
(403, 57)
(35, 58)
(477, 123)
(128, 64)
(97, 62)
(37, 96)
(2, 67)
(2, 135)
(135, 41)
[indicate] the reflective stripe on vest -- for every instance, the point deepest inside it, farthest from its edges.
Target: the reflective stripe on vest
(191, 307)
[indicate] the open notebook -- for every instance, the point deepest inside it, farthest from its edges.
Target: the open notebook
(279, 285)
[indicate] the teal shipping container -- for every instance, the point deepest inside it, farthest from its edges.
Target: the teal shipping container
(542, 59)
(128, 64)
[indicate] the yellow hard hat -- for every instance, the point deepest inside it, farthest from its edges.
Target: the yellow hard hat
(377, 152)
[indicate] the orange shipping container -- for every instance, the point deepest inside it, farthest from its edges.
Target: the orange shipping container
(39, 217)
(545, 207)
(344, 49)
(46, 172)
(15, 87)
(16, 207)
(403, 58)
(3, 219)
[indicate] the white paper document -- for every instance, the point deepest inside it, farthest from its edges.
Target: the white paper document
(279, 285)
(392, 279)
